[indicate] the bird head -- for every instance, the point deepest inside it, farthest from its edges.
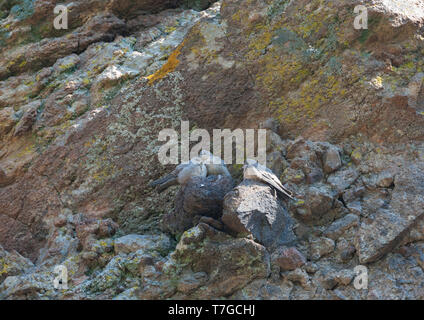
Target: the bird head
(206, 156)
(250, 163)
(205, 153)
(196, 160)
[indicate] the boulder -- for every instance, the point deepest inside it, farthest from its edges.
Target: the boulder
(12, 264)
(343, 179)
(330, 278)
(191, 282)
(4, 179)
(135, 242)
(287, 258)
(299, 276)
(388, 226)
(379, 235)
(331, 160)
(7, 120)
(321, 247)
(384, 179)
(318, 202)
(338, 227)
(228, 263)
(199, 197)
(28, 286)
(254, 208)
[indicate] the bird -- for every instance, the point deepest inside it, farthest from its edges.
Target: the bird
(253, 170)
(181, 174)
(215, 165)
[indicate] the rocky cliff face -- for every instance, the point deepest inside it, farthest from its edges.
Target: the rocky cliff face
(80, 113)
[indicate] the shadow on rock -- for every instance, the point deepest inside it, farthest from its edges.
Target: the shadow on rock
(199, 197)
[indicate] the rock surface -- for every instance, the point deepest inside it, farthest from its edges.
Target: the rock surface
(389, 226)
(230, 263)
(80, 113)
(200, 197)
(254, 208)
(288, 258)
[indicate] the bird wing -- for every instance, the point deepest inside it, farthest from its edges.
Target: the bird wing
(194, 170)
(270, 178)
(168, 177)
(171, 176)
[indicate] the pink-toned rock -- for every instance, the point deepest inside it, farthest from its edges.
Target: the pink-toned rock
(288, 258)
(6, 120)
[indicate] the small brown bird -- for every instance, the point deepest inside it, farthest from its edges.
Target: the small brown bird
(253, 170)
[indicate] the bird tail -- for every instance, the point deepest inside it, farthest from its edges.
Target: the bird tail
(162, 180)
(287, 193)
(163, 183)
(172, 182)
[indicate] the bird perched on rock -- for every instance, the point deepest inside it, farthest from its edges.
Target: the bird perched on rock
(182, 173)
(215, 165)
(253, 170)
(206, 164)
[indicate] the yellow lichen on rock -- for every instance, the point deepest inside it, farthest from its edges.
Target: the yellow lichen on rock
(168, 67)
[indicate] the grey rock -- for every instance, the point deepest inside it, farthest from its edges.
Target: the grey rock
(338, 227)
(13, 264)
(355, 208)
(345, 250)
(343, 179)
(254, 208)
(4, 179)
(320, 248)
(330, 278)
(299, 276)
(344, 277)
(230, 263)
(318, 202)
(311, 267)
(384, 179)
(353, 193)
(30, 286)
(129, 294)
(314, 175)
(271, 124)
(275, 162)
(325, 278)
(331, 160)
(191, 282)
(199, 197)
(417, 232)
(274, 142)
(28, 118)
(287, 258)
(108, 278)
(385, 229)
(264, 289)
(376, 238)
(134, 242)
